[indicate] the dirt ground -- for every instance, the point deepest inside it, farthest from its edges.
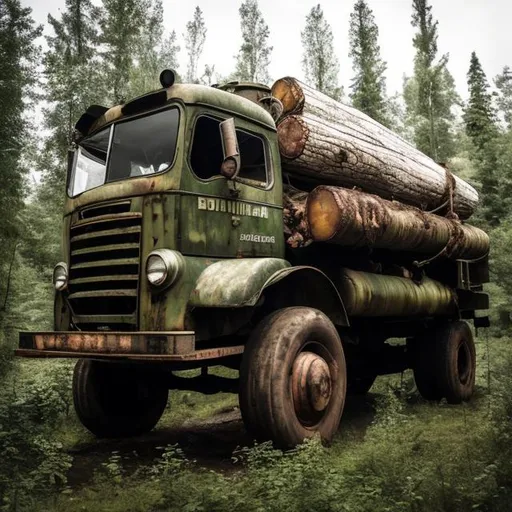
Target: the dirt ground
(209, 442)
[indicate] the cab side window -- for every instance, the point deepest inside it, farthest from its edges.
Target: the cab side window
(206, 156)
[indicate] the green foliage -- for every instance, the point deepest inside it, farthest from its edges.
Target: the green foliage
(319, 62)
(254, 55)
(32, 463)
(479, 115)
(500, 257)
(430, 93)
(153, 52)
(172, 461)
(413, 456)
(503, 83)
(73, 83)
(481, 127)
(122, 23)
(195, 37)
(369, 84)
(18, 54)
(113, 468)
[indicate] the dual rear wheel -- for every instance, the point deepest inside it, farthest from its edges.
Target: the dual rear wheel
(444, 363)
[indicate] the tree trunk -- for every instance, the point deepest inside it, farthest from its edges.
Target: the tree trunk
(335, 144)
(355, 219)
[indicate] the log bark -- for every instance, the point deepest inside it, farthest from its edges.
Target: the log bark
(296, 230)
(356, 219)
(335, 144)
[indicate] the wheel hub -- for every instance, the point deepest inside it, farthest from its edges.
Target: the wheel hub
(311, 385)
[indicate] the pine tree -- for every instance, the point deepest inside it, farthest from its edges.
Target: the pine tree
(195, 37)
(479, 114)
(254, 55)
(18, 54)
(319, 61)
(481, 127)
(368, 85)
(122, 23)
(71, 70)
(73, 82)
(430, 94)
(503, 83)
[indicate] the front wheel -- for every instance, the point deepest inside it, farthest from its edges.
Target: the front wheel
(116, 399)
(293, 378)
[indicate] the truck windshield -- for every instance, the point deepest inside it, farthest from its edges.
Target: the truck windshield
(137, 147)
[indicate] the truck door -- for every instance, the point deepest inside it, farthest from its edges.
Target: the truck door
(222, 218)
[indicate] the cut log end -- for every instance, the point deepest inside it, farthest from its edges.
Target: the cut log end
(323, 214)
(292, 134)
(289, 92)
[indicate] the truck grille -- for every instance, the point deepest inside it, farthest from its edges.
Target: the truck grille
(104, 267)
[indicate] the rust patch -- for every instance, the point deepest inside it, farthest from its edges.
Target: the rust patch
(164, 343)
(197, 355)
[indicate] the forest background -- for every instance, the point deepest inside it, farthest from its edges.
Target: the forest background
(410, 455)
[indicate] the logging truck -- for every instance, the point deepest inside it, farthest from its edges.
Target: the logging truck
(272, 231)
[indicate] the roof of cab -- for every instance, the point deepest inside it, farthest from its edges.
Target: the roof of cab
(201, 95)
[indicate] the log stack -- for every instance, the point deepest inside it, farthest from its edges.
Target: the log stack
(329, 143)
(373, 188)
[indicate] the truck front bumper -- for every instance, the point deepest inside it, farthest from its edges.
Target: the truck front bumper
(153, 346)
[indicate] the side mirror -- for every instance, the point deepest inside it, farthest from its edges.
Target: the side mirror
(231, 164)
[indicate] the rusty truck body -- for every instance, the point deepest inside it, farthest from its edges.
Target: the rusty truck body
(171, 262)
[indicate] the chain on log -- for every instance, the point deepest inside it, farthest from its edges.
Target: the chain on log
(356, 219)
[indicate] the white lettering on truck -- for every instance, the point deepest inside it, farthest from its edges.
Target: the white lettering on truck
(261, 239)
(235, 207)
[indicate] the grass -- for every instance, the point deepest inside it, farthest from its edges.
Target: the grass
(393, 452)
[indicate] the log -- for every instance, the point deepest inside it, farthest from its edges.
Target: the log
(356, 219)
(296, 229)
(334, 144)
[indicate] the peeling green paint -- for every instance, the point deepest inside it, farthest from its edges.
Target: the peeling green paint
(234, 283)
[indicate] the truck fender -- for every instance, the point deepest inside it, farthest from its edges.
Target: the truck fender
(305, 286)
(244, 282)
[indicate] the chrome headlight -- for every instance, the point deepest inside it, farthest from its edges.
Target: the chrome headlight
(163, 266)
(60, 276)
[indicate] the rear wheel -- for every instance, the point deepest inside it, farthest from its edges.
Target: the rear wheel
(117, 400)
(293, 378)
(445, 364)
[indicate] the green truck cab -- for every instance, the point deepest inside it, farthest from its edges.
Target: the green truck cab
(174, 258)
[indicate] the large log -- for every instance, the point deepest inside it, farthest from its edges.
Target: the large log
(356, 219)
(335, 144)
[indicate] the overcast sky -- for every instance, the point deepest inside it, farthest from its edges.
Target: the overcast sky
(483, 26)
